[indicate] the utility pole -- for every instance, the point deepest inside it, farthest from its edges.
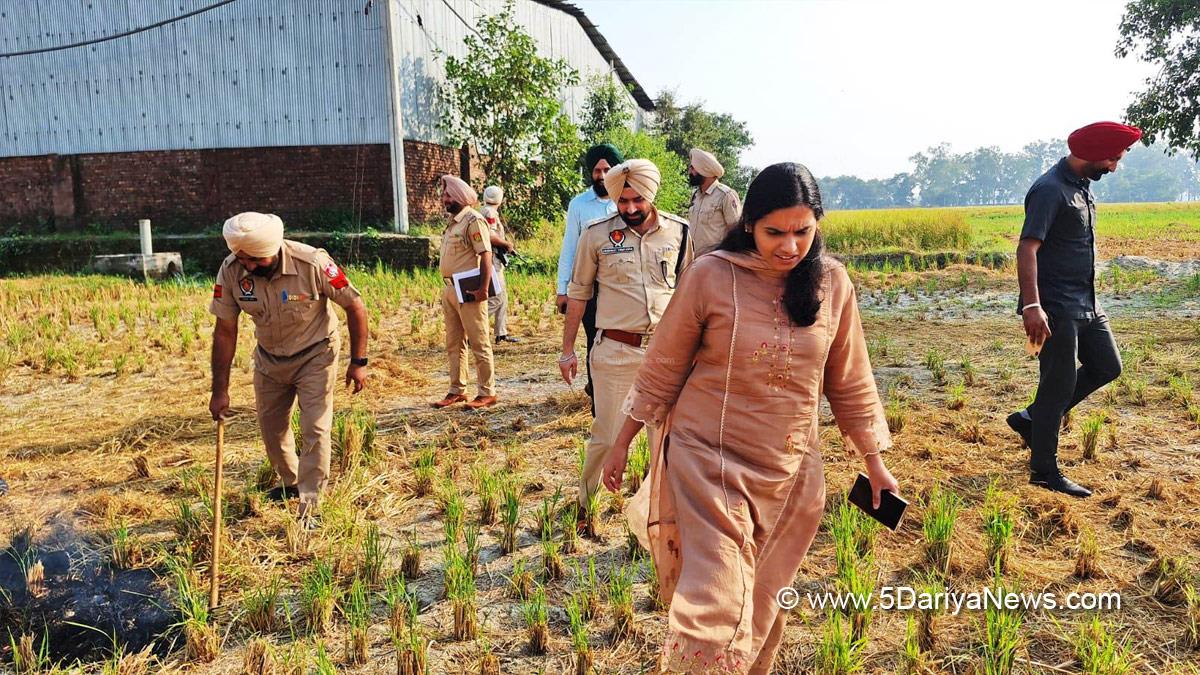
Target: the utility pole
(391, 28)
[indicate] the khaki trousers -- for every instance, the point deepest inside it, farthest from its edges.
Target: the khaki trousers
(614, 368)
(310, 377)
(468, 325)
(498, 304)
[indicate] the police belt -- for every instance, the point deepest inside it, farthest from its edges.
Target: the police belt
(315, 347)
(632, 339)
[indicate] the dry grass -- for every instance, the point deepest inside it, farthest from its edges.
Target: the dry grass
(89, 472)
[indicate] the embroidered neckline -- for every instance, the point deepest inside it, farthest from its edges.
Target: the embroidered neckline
(777, 352)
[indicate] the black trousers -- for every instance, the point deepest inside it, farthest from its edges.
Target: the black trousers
(589, 330)
(1062, 385)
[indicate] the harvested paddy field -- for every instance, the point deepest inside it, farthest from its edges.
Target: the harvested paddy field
(443, 538)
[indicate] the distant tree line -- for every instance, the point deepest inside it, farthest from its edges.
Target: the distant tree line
(986, 176)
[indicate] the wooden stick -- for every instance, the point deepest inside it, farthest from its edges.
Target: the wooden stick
(214, 593)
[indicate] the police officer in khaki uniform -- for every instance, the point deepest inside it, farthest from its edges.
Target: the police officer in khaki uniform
(716, 207)
(635, 256)
(466, 245)
(493, 197)
(285, 287)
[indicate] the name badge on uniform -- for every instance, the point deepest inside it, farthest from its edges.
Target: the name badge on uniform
(616, 238)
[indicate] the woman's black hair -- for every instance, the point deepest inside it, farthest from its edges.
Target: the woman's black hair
(781, 186)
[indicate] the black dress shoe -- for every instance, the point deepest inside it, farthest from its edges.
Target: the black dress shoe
(1022, 426)
(506, 338)
(1057, 482)
(280, 494)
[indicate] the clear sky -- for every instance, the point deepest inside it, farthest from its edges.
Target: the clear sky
(858, 86)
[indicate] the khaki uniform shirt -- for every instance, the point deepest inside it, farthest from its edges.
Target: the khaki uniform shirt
(465, 238)
(713, 212)
(492, 215)
(290, 310)
(636, 273)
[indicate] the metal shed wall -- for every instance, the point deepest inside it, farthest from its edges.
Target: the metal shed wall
(254, 73)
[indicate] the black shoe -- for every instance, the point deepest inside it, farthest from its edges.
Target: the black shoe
(280, 494)
(1057, 482)
(506, 338)
(1022, 426)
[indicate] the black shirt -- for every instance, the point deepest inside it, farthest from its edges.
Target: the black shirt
(1061, 213)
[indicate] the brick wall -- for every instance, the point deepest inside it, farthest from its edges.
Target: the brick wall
(186, 190)
(26, 188)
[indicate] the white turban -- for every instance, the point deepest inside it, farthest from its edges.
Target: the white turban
(459, 190)
(493, 194)
(705, 163)
(258, 235)
(639, 174)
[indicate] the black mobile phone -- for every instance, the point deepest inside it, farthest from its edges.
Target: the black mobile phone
(891, 508)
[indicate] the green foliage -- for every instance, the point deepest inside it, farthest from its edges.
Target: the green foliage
(674, 195)
(502, 96)
(1001, 634)
(606, 110)
(687, 126)
(839, 652)
(1163, 32)
(1099, 651)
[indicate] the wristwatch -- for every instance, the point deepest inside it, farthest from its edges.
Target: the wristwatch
(359, 362)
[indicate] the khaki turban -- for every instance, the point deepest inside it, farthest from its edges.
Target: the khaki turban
(705, 163)
(258, 235)
(459, 190)
(493, 194)
(639, 174)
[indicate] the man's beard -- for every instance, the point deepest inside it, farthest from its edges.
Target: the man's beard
(1097, 174)
(265, 272)
(598, 187)
(453, 208)
(695, 179)
(633, 220)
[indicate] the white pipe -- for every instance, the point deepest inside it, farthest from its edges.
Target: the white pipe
(144, 230)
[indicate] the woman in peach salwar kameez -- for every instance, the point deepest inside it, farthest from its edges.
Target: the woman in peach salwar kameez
(755, 333)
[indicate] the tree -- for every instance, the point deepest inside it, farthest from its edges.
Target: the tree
(940, 176)
(503, 97)
(900, 188)
(691, 126)
(674, 194)
(605, 110)
(1167, 34)
(1147, 175)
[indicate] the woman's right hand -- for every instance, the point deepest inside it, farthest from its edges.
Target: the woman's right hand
(881, 479)
(613, 473)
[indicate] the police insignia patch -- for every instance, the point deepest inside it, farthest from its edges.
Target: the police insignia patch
(616, 237)
(217, 291)
(337, 278)
(476, 237)
(247, 286)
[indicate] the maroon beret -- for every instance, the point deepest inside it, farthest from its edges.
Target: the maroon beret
(1102, 140)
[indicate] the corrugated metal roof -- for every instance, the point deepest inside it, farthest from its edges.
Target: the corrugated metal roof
(643, 99)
